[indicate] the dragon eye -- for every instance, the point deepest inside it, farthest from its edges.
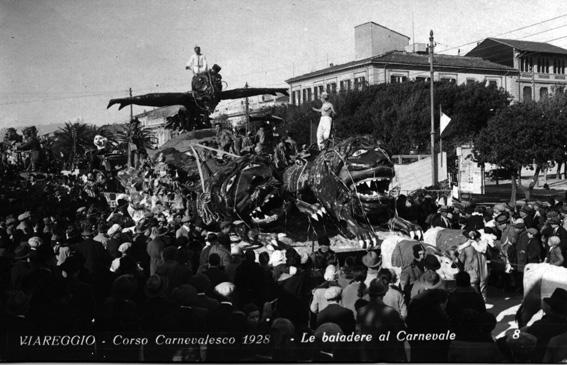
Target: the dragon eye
(358, 153)
(230, 182)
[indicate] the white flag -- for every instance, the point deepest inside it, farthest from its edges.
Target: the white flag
(443, 122)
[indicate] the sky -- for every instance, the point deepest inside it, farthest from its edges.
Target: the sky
(62, 60)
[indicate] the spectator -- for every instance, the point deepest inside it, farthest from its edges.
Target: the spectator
(334, 312)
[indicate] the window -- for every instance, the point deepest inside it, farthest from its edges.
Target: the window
(559, 66)
(398, 79)
(470, 81)
(316, 92)
(359, 83)
(560, 90)
(332, 88)
(421, 79)
(321, 89)
(304, 96)
(308, 95)
(294, 97)
(344, 85)
(448, 79)
(543, 93)
(527, 93)
(492, 83)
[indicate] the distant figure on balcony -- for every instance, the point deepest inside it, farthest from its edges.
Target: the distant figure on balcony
(326, 122)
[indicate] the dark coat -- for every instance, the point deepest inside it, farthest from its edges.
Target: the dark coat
(377, 318)
(97, 260)
(461, 299)
(216, 275)
(175, 273)
(338, 314)
(544, 329)
(437, 221)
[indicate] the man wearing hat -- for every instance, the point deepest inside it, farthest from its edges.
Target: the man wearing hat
(324, 253)
(326, 122)
(411, 273)
(553, 323)
(184, 230)
(556, 229)
(527, 214)
(376, 318)
(440, 219)
(225, 320)
(97, 260)
(334, 312)
(373, 262)
(534, 251)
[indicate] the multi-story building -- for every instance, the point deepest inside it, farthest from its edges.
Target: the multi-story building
(541, 66)
(235, 110)
(385, 56)
(156, 119)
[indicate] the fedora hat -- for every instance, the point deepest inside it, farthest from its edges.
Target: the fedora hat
(502, 219)
(371, 260)
(558, 300)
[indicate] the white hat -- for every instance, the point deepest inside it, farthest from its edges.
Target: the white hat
(333, 292)
(277, 258)
(324, 94)
(112, 230)
(23, 216)
(330, 273)
(225, 289)
(124, 247)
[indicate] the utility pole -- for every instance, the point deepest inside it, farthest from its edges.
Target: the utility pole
(130, 132)
(247, 105)
(432, 107)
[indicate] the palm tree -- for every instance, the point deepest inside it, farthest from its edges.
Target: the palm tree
(74, 139)
(134, 133)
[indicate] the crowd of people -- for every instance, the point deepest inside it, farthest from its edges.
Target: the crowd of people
(141, 264)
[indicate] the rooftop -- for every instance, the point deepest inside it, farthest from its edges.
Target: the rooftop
(400, 58)
(161, 113)
(539, 47)
(381, 26)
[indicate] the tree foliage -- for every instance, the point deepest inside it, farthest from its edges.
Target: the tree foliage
(75, 139)
(399, 114)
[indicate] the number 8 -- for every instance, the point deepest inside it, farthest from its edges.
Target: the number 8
(516, 334)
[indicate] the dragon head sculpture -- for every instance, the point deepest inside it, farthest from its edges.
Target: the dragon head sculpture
(365, 167)
(247, 189)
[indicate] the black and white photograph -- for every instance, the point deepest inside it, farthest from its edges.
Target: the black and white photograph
(283, 181)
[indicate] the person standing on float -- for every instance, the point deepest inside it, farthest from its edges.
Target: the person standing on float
(326, 122)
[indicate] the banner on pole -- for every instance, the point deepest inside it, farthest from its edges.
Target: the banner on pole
(443, 122)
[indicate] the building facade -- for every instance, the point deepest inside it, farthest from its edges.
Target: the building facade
(235, 110)
(541, 66)
(397, 61)
(155, 121)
